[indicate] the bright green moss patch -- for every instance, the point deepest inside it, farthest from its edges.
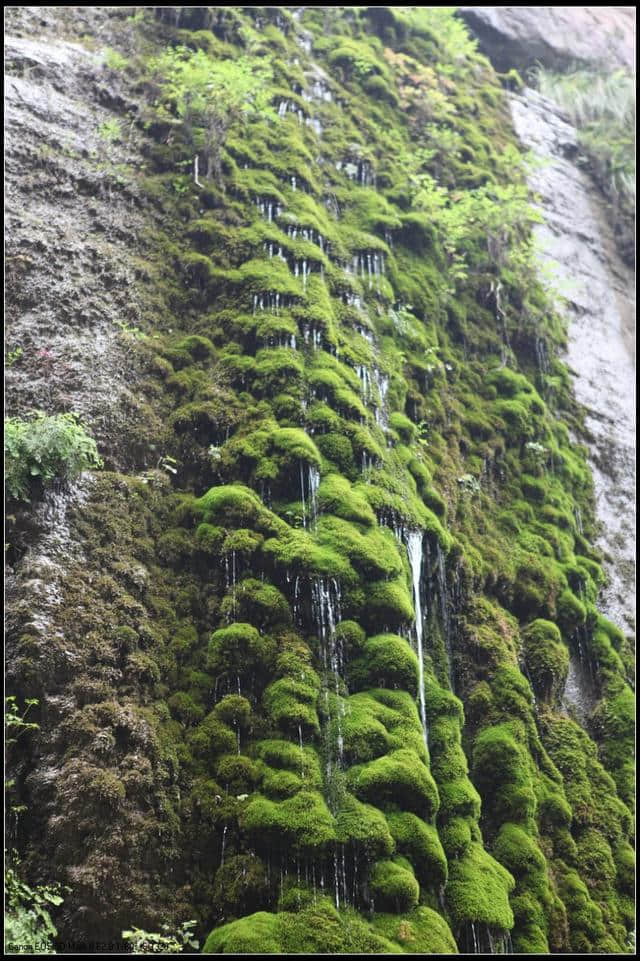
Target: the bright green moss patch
(256, 934)
(547, 659)
(387, 661)
(423, 931)
(318, 928)
(388, 603)
(239, 649)
(237, 506)
(290, 704)
(364, 827)
(303, 822)
(419, 842)
(399, 778)
(336, 496)
(478, 890)
(393, 885)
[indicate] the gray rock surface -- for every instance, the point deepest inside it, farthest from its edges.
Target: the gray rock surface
(555, 36)
(578, 249)
(74, 228)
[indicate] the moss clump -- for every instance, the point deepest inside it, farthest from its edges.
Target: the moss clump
(393, 885)
(398, 779)
(286, 756)
(364, 827)
(211, 738)
(236, 506)
(256, 934)
(547, 659)
(386, 661)
(478, 890)
(302, 823)
(422, 931)
(334, 288)
(317, 928)
(419, 841)
(240, 649)
(337, 496)
(237, 773)
(571, 612)
(290, 704)
(388, 603)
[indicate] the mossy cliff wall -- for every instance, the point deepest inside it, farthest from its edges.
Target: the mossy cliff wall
(303, 677)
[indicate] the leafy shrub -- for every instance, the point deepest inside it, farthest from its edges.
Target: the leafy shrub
(28, 926)
(45, 448)
(208, 94)
(170, 942)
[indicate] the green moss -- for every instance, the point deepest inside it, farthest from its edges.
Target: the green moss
(388, 603)
(290, 704)
(419, 842)
(239, 649)
(303, 823)
(236, 773)
(237, 506)
(294, 445)
(585, 917)
(184, 708)
(256, 934)
(547, 659)
(393, 885)
(364, 827)
(337, 496)
(456, 837)
(399, 778)
(422, 931)
(595, 858)
(351, 636)
(242, 408)
(406, 430)
(211, 738)
(234, 710)
(387, 661)
(338, 450)
(571, 612)
(478, 890)
(284, 755)
(260, 603)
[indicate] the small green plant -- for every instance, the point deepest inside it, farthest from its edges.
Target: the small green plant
(181, 184)
(13, 356)
(208, 95)
(110, 130)
(43, 448)
(15, 724)
(170, 942)
(114, 60)
(129, 331)
(28, 927)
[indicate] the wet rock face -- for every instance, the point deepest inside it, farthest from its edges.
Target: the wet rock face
(73, 224)
(577, 243)
(555, 36)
